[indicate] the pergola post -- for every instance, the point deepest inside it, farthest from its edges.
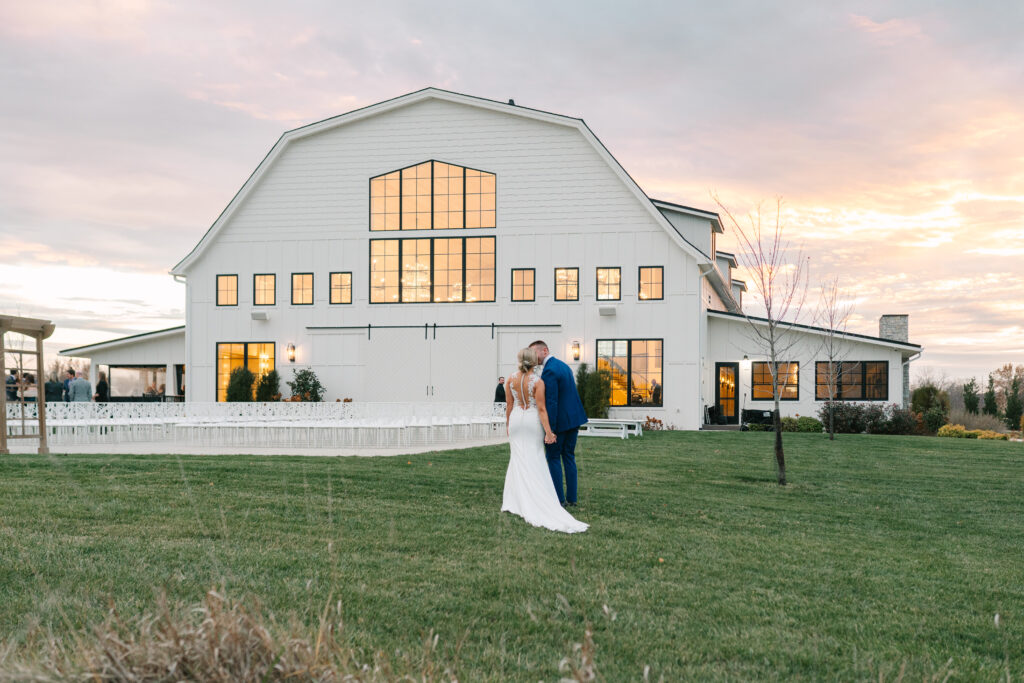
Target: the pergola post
(41, 396)
(38, 330)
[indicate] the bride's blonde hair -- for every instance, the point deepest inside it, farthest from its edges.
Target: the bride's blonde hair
(527, 359)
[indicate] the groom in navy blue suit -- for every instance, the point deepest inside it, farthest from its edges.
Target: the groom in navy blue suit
(565, 412)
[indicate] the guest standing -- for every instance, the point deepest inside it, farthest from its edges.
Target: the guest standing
(68, 379)
(53, 390)
(102, 389)
(499, 391)
(80, 390)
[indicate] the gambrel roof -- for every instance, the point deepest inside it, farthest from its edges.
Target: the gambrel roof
(433, 93)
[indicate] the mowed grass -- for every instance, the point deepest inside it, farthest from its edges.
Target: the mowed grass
(882, 553)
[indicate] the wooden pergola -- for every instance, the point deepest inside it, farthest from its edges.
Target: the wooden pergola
(39, 330)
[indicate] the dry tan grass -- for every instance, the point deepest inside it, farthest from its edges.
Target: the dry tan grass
(972, 421)
(221, 641)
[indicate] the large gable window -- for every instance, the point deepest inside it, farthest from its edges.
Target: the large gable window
(438, 270)
(433, 195)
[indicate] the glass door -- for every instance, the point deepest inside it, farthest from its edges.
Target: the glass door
(725, 393)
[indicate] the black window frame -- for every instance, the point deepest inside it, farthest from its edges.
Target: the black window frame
(629, 369)
(753, 374)
(216, 289)
(512, 284)
(330, 288)
(369, 266)
(245, 353)
(554, 293)
(597, 284)
(431, 161)
(312, 289)
(639, 283)
(256, 275)
(863, 380)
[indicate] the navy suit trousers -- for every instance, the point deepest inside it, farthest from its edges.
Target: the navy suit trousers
(562, 454)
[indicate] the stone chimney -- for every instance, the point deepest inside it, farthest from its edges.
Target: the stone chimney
(897, 328)
(894, 327)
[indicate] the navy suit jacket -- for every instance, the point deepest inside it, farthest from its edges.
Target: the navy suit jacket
(565, 409)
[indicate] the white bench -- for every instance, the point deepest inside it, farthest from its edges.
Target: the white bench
(608, 427)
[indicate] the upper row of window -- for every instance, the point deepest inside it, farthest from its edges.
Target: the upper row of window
(424, 272)
(264, 289)
(432, 196)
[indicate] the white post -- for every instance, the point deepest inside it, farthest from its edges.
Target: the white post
(94, 374)
(170, 382)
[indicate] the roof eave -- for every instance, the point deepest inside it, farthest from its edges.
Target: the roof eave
(121, 341)
(851, 336)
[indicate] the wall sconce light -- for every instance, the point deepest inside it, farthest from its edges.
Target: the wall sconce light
(576, 351)
(746, 362)
(291, 353)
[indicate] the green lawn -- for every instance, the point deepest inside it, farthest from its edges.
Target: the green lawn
(882, 552)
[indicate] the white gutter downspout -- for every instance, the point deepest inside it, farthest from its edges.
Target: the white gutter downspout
(906, 371)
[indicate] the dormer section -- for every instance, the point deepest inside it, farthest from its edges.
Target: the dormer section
(697, 227)
(726, 263)
(738, 287)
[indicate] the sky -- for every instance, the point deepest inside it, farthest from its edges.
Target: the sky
(893, 132)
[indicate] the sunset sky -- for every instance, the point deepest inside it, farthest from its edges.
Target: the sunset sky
(894, 131)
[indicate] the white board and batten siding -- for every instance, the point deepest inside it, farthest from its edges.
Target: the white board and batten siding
(559, 204)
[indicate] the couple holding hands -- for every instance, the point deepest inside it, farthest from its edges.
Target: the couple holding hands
(543, 415)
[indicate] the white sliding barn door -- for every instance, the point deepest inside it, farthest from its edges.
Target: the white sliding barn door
(463, 364)
(397, 365)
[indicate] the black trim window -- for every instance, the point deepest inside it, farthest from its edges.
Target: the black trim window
(761, 381)
(567, 284)
(341, 288)
(264, 289)
(433, 195)
(227, 290)
(302, 289)
(259, 357)
(652, 283)
(438, 270)
(635, 369)
(852, 380)
(609, 284)
(523, 281)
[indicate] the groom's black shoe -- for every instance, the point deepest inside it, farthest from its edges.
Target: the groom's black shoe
(571, 504)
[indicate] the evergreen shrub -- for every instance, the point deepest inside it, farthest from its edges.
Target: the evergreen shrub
(268, 388)
(306, 386)
(240, 385)
(595, 390)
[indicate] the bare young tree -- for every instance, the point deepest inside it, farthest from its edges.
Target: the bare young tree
(833, 315)
(780, 285)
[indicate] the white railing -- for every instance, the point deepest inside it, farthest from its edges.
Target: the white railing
(314, 425)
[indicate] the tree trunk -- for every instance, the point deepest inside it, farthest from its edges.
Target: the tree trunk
(831, 422)
(780, 458)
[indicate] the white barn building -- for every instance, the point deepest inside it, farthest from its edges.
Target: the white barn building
(407, 250)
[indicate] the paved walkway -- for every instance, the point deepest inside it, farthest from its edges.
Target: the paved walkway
(171, 448)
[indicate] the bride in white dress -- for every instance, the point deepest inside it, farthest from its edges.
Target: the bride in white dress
(529, 491)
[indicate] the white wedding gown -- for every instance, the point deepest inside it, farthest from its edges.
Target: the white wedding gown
(529, 491)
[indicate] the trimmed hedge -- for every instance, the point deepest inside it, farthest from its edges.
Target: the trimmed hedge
(856, 418)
